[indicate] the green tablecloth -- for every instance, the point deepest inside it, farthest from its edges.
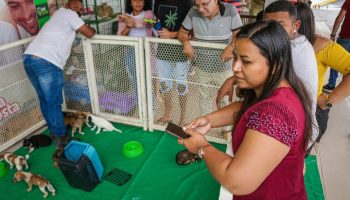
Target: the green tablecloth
(155, 175)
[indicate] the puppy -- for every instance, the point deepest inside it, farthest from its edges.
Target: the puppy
(33, 179)
(78, 123)
(36, 141)
(100, 123)
(185, 157)
(75, 120)
(13, 159)
(69, 118)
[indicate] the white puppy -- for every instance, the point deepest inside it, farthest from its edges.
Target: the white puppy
(100, 123)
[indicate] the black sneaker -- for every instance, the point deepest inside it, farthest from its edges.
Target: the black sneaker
(328, 88)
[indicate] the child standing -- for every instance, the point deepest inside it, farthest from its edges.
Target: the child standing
(133, 24)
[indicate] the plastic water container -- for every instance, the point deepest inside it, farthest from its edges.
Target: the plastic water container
(75, 150)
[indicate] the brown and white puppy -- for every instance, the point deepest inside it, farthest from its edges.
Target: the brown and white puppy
(75, 120)
(13, 159)
(34, 179)
(78, 123)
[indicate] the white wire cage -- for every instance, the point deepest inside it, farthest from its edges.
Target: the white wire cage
(191, 95)
(19, 106)
(117, 78)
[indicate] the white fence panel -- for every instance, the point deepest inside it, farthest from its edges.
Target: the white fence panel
(19, 106)
(121, 79)
(116, 78)
(179, 90)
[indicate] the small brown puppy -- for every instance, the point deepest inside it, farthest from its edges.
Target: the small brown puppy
(33, 179)
(14, 159)
(78, 123)
(69, 118)
(75, 120)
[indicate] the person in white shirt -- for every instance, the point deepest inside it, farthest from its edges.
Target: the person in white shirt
(304, 60)
(44, 61)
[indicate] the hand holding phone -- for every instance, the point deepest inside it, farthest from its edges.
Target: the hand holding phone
(176, 131)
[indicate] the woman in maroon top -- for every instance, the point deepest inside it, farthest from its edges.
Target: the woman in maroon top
(272, 125)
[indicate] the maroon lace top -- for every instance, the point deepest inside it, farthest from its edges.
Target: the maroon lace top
(282, 117)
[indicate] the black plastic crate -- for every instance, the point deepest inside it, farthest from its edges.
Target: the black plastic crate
(80, 174)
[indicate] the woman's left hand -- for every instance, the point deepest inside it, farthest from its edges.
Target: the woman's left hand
(194, 142)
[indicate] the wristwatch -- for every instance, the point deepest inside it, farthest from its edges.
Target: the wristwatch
(328, 104)
(201, 151)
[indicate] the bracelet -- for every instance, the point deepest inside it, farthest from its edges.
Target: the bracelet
(201, 151)
(332, 34)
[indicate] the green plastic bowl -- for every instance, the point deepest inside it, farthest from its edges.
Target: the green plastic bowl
(132, 149)
(3, 169)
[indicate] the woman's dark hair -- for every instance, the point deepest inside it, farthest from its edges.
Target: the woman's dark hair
(273, 43)
(306, 16)
(128, 9)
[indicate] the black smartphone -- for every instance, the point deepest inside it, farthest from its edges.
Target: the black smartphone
(176, 131)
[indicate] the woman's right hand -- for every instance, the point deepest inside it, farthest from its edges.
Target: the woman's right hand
(201, 125)
(195, 142)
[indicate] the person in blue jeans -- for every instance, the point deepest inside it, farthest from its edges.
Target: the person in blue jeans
(45, 58)
(343, 39)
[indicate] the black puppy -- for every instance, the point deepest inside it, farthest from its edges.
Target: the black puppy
(37, 141)
(185, 157)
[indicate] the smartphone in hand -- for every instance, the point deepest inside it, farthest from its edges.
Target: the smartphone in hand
(176, 131)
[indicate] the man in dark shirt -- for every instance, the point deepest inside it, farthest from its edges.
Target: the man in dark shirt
(171, 14)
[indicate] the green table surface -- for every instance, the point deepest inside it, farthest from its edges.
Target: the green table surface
(155, 174)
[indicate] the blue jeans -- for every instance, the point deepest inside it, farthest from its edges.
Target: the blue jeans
(168, 71)
(322, 117)
(344, 42)
(47, 80)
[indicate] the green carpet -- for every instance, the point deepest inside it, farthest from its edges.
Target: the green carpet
(312, 179)
(155, 174)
